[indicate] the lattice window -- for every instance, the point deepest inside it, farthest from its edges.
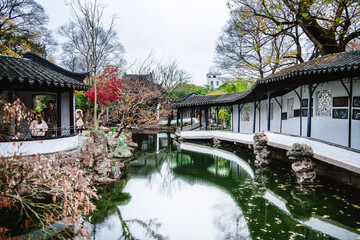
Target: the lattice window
(290, 107)
(323, 107)
(245, 114)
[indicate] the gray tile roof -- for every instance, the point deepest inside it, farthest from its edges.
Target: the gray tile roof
(327, 68)
(332, 63)
(35, 69)
(203, 100)
(145, 79)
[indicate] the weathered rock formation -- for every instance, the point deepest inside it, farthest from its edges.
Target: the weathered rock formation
(261, 150)
(303, 166)
(102, 156)
(216, 142)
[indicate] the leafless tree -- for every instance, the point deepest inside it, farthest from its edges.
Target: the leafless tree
(89, 42)
(246, 52)
(170, 77)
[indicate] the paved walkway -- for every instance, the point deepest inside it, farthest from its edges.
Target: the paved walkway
(339, 156)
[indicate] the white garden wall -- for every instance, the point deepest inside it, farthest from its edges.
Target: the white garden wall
(325, 128)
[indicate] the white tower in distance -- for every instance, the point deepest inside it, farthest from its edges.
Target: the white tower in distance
(213, 77)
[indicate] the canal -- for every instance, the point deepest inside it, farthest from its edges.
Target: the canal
(194, 191)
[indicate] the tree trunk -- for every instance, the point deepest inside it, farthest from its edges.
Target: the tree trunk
(170, 117)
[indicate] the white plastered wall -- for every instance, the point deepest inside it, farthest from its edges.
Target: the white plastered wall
(323, 128)
(245, 126)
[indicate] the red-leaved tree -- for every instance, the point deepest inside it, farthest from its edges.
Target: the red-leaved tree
(109, 85)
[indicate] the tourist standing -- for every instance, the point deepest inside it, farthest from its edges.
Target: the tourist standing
(50, 117)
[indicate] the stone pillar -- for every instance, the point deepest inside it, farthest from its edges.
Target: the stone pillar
(261, 151)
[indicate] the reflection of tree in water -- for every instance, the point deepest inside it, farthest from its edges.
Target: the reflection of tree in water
(151, 227)
(111, 198)
(237, 229)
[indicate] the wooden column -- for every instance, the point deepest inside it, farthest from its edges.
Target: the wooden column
(254, 120)
(217, 118)
(309, 111)
(191, 116)
(232, 118)
(268, 112)
(259, 107)
(206, 118)
(72, 115)
(177, 117)
(239, 110)
(181, 120)
(58, 120)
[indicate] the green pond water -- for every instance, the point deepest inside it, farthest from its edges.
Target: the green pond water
(197, 192)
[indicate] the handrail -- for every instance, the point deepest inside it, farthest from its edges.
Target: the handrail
(40, 134)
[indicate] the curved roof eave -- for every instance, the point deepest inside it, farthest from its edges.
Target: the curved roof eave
(327, 68)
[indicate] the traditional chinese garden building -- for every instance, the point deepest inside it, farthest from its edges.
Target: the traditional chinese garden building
(317, 102)
(32, 78)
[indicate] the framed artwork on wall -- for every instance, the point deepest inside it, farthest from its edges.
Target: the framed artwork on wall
(356, 101)
(304, 112)
(356, 114)
(305, 102)
(297, 113)
(340, 102)
(283, 116)
(340, 113)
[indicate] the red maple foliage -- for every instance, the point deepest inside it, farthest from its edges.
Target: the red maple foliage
(109, 85)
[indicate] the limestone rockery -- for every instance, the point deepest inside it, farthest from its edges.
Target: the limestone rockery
(101, 156)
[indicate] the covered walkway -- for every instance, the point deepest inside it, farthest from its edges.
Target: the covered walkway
(330, 153)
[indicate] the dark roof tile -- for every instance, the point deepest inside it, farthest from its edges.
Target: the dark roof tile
(278, 82)
(33, 68)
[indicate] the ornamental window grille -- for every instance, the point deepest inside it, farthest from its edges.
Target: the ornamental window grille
(290, 107)
(245, 114)
(323, 106)
(271, 111)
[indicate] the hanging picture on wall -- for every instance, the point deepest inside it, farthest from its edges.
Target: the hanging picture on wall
(340, 113)
(356, 102)
(356, 114)
(297, 113)
(340, 101)
(304, 112)
(283, 116)
(305, 102)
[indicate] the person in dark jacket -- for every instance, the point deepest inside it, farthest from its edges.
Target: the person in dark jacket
(50, 117)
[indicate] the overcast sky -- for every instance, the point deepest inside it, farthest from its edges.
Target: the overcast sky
(185, 30)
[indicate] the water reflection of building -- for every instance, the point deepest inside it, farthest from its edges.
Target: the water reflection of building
(152, 152)
(235, 161)
(295, 208)
(149, 142)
